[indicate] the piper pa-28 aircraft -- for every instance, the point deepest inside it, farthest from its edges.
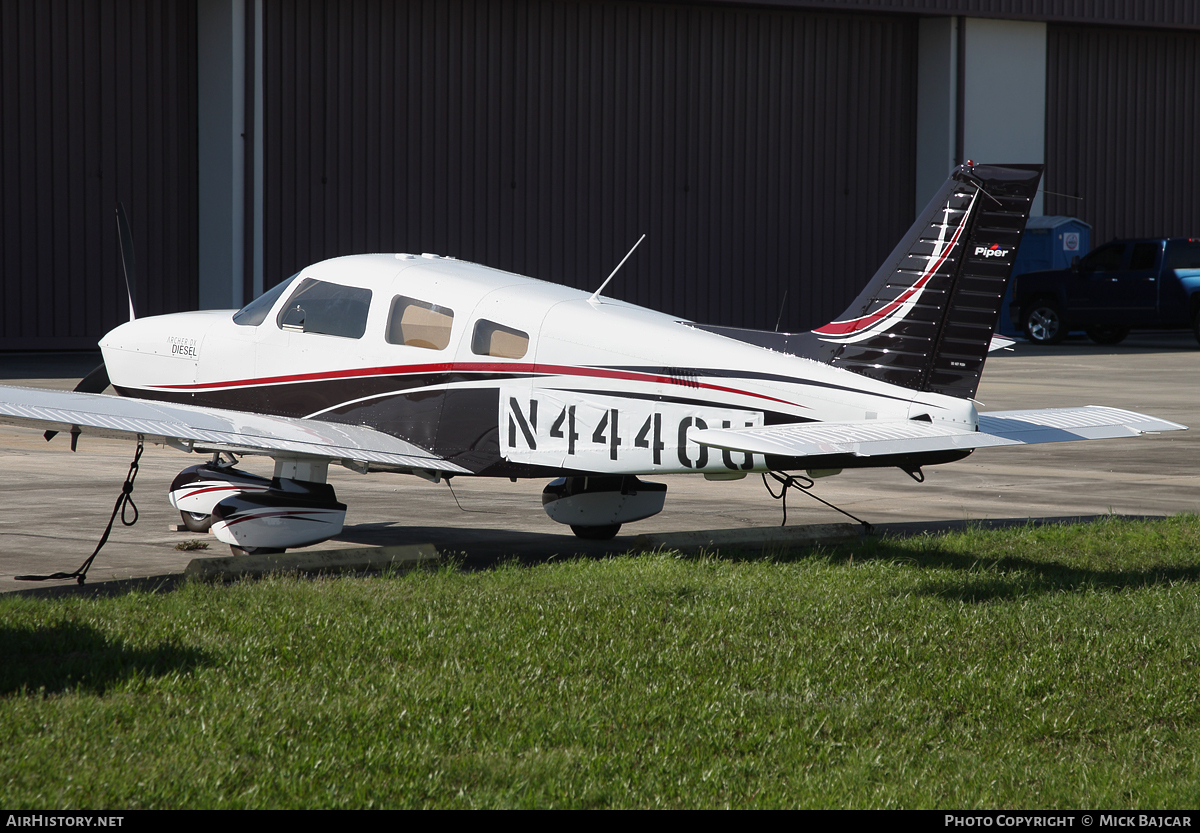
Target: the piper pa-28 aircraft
(432, 366)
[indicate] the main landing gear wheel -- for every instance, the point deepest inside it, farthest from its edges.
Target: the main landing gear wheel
(1107, 335)
(1043, 324)
(196, 521)
(596, 533)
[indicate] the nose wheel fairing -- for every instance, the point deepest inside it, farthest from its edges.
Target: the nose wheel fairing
(197, 489)
(257, 514)
(292, 513)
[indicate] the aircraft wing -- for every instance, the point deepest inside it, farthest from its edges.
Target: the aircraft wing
(194, 428)
(869, 439)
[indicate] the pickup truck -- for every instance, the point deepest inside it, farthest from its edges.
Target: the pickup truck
(1125, 284)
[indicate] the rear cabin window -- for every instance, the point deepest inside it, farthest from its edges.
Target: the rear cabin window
(503, 342)
(326, 308)
(418, 324)
(492, 339)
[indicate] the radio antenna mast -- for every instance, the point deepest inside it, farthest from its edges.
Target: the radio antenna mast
(595, 299)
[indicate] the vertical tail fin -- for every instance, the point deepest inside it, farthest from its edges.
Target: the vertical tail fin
(925, 320)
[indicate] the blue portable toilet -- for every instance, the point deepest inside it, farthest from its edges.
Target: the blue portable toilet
(1048, 243)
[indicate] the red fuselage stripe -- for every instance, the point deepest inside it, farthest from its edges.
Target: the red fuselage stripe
(467, 367)
(306, 515)
(228, 488)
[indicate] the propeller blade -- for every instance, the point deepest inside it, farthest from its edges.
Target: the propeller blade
(128, 262)
(94, 382)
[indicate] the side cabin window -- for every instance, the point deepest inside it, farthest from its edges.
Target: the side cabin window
(492, 339)
(418, 324)
(326, 308)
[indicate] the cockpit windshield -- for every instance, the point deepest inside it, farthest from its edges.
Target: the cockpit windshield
(255, 312)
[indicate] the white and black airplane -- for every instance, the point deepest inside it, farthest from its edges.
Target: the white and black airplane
(437, 367)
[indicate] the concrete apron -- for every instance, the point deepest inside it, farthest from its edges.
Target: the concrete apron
(56, 503)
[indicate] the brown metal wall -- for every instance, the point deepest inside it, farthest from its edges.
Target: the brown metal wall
(97, 103)
(1123, 130)
(761, 151)
(1165, 13)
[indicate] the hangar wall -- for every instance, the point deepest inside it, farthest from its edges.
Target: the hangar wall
(764, 152)
(221, 150)
(764, 145)
(937, 105)
(981, 95)
(1122, 130)
(97, 104)
(1004, 92)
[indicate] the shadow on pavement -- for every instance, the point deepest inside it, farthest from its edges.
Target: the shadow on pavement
(482, 549)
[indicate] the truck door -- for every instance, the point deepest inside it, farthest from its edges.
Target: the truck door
(1135, 289)
(1179, 281)
(1091, 291)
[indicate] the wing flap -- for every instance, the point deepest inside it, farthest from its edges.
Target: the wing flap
(870, 439)
(198, 427)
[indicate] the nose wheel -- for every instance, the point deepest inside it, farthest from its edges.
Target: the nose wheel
(196, 521)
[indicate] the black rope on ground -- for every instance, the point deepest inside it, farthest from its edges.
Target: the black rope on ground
(124, 502)
(790, 481)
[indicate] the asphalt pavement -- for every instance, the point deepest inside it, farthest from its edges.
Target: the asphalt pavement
(55, 503)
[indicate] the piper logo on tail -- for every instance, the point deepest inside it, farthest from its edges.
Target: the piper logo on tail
(993, 250)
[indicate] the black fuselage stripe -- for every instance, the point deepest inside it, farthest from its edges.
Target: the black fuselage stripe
(780, 417)
(751, 374)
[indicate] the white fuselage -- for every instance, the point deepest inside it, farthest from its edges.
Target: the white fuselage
(600, 386)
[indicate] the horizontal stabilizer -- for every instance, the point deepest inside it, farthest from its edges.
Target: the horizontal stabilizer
(872, 439)
(211, 429)
(1057, 425)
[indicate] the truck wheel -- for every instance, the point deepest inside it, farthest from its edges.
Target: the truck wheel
(1043, 324)
(1107, 335)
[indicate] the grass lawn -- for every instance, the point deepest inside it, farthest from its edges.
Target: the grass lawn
(1044, 667)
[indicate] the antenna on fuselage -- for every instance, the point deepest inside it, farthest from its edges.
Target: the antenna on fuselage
(596, 295)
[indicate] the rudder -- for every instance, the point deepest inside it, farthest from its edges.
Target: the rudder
(925, 320)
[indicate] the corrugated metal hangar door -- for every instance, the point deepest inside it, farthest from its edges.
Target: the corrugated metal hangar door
(1122, 130)
(97, 104)
(763, 152)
